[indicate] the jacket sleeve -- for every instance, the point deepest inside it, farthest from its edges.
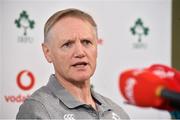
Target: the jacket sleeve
(32, 109)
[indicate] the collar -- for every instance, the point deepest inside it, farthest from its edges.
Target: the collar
(70, 101)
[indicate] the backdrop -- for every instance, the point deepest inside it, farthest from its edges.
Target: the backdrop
(134, 34)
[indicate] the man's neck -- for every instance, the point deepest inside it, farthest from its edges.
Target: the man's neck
(80, 90)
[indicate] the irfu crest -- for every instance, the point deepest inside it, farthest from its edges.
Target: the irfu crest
(24, 22)
(139, 29)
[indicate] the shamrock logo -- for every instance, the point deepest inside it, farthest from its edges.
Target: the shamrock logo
(139, 29)
(24, 22)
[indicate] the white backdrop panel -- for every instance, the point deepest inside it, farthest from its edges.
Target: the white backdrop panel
(118, 52)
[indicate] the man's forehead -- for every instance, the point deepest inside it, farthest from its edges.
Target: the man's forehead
(72, 26)
(72, 21)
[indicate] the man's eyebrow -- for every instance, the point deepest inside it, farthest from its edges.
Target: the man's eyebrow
(86, 38)
(66, 40)
(63, 40)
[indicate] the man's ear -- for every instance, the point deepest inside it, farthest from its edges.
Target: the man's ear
(47, 52)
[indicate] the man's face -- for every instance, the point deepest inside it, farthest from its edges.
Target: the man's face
(72, 48)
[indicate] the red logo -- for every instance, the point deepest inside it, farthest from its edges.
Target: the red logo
(22, 77)
(100, 41)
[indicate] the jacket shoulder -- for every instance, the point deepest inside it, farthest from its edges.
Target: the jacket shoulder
(35, 107)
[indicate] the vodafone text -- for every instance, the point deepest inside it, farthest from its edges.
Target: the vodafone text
(15, 99)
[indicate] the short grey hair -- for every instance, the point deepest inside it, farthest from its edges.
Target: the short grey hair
(70, 12)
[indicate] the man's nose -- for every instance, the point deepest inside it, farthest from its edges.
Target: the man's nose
(79, 50)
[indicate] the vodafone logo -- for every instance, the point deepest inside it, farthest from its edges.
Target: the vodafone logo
(25, 80)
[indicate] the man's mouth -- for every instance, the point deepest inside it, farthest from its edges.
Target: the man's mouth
(80, 64)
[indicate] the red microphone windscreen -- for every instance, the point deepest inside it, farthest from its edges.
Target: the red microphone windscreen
(168, 74)
(139, 87)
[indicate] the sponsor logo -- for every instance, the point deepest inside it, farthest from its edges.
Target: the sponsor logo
(129, 89)
(100, 41)
(69, 117)
(164, 74)
(25, 81)
(115, 116)
(24, 23)
(15, 98)
(24, 75)
(139, 30)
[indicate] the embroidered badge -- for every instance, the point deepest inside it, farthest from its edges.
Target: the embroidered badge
(115, 116)
(69, 117)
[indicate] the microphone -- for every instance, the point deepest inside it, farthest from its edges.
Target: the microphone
(172, 97)
(151, 87)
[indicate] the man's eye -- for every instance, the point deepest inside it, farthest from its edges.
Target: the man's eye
(86, 42)
(67, 45)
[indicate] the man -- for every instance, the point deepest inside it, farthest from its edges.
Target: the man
(70, 44)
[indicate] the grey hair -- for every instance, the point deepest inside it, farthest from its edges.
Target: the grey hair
(71, 12)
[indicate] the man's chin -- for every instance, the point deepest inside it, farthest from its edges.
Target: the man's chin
(81, 78)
